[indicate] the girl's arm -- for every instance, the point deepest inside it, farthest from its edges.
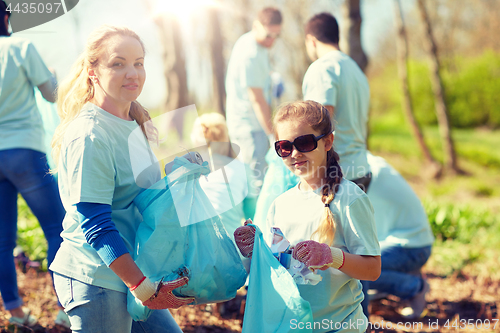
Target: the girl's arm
(361, 267)
(320, 256)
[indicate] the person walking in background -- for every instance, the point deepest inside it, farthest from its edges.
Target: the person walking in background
(327, 219)
(248, 89)
(93, 269)
(23, 163)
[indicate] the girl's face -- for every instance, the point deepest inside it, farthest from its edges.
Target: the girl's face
(120, 71)
(310, 166)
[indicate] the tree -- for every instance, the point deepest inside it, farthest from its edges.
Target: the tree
(350, 40)
(402, 50)
(174, 68)
(439, 93)
(217, 57)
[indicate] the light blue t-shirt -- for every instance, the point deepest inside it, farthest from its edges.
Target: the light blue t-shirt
(95, 166)
(298, 214)
(401, 220)
(21, 69)
(336, 80)
(248, 67)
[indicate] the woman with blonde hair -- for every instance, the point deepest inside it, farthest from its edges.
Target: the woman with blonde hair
(93, 268)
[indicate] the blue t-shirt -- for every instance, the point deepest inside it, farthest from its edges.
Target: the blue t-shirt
(336, 80)
(248, 67)
(401, 220)
(96, 166)
(298, 214)
(21, 69)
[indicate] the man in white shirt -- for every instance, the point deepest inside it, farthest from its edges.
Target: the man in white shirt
(248, 88)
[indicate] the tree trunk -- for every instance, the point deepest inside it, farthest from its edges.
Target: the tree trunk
(402, 50)
(350, 40)
(174, 69)
(218, 64)
(439, 93)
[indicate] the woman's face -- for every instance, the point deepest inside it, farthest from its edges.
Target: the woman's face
(120, 71)
(310, 166)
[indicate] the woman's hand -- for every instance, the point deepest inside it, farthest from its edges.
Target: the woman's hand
(159, 295)
(244, 237)
(318, 255)
(163, 298)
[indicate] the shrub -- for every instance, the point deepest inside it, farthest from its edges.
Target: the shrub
(471, 88)
(458, 222)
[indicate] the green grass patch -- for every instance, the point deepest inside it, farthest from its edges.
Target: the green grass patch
(30, 235)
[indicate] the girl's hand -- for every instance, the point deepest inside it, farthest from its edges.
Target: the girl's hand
(318, 255)
(244, 237)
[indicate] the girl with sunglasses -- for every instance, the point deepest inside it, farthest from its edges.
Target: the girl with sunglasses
(327, 219)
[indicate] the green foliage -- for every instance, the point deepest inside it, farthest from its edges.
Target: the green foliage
(30, 236)
(471, 90)
(455, 222)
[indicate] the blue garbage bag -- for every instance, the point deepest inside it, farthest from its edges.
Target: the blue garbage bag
(182, 235)
(273, 300)
(278, 180)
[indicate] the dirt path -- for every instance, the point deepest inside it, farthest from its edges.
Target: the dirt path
(455, 305)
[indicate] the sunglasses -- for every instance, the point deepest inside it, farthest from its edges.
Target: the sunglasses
(303, 143)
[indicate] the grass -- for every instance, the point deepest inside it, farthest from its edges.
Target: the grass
(464, 210)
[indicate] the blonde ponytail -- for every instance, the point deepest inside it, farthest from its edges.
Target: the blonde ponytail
(327, 228)
(72, 94)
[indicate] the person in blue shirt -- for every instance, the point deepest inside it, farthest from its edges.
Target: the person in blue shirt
(23, 160)
(248, 90)
(327, 219)
(93, 269)
(337, 82)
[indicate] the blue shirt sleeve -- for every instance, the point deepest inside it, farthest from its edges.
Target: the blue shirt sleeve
(320, 85)
(100, 231)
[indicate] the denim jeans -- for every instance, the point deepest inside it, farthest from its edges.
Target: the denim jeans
(253, 149)
(93, 309)
(25, 171)
(397, 276)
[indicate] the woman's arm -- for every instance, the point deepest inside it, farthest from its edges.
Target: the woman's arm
(361, 267)
(101, 233)
(127, 270)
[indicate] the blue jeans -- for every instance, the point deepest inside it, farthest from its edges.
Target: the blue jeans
(93, 309)
(253, 149)
(25, 171)
(398, 273)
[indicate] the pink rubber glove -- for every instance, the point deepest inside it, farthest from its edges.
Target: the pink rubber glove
(244, 237)
(318, 255)
(163, 297)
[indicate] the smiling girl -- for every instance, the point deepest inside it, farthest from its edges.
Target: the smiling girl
(94, 268)
(328, 219)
